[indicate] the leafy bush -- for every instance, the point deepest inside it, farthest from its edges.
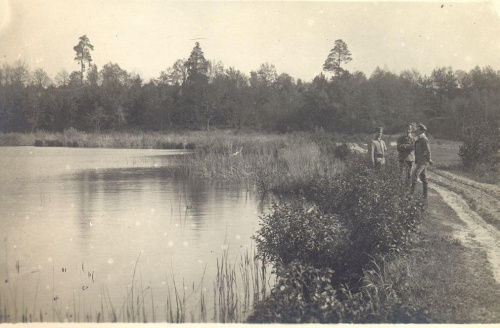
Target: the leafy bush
(358, 216)
(481, 146)
(372, 207)
(325, 141)
(303, 294)
(342, 151)
(293, 233)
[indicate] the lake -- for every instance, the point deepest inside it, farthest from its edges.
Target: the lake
(82, 230)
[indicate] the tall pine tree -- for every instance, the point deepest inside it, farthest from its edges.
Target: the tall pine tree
(338, 55)
(83, 54)
(197, 65)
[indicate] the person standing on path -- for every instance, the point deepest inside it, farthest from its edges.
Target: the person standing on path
(378, 149)
(406, 153)
(422, 159)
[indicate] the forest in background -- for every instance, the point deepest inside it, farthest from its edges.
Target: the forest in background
(197, 93)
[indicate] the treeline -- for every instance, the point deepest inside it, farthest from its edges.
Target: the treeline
(196, 93)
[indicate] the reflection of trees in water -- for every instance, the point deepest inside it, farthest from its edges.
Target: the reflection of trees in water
(83, 203)
(132, 190)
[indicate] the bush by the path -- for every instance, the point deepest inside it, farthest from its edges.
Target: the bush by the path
(322, 253)
(481, 146)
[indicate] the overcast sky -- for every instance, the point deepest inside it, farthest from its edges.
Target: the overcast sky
(146, 37)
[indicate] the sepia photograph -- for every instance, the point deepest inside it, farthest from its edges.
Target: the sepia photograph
(249, 162)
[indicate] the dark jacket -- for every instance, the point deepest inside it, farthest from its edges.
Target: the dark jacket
(422, 150)
(406, 147)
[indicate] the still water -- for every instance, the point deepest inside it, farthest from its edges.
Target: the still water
(79, 226)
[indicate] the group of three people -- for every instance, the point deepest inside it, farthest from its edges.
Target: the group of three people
(414, 154)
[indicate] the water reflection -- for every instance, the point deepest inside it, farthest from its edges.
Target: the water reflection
(77, 218)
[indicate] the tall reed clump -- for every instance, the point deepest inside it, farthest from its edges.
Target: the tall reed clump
(273, 162)
(322, 251)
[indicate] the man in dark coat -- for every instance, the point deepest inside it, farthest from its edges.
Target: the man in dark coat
(422, 159)
(406, 153)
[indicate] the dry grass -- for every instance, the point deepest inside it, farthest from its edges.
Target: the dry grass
(74, 138)
(273, 162)
(439, 281)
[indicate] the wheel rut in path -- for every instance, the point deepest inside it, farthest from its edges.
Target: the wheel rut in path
(477, 232)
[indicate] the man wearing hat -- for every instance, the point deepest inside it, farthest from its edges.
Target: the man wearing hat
(378, 149)
(406, 153)
(422, 159)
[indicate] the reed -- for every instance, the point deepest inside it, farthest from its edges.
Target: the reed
(237, 285)
(74, 138)
(271, 162)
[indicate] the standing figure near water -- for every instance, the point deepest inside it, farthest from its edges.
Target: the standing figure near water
(377, 149)
(422, 159)
(406, 153)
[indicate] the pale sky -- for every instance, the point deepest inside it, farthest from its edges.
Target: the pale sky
(146, 37)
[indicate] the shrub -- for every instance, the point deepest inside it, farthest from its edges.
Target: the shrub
(305, 294)
(302, 294)
(357, 217)
(481, 146)
(325, 141)
(293, 233)
(342, 151)
(371, 206)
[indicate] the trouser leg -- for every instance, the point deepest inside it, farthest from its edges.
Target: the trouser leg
(423, 178)
(409, 165)
(417, 173)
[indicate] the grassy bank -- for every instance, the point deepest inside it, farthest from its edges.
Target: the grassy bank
(359, 255)
(439, 280)
(281, 163)
(74, 138)
(323, 248)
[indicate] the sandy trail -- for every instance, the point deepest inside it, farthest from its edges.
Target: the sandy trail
(481, 221)
(482, 198)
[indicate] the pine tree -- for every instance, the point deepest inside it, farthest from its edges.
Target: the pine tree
(338, 55)
(197, 65)
(83, 53)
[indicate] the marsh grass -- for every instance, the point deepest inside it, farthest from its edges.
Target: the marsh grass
(74, 138)
(271, 162)
(237, 285)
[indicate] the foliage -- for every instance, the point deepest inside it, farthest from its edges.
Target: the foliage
(197, 93)
(302, 294)
(342, 151)
(305, 294)
(294, 233)
(338, 55)
(481, 146)
(372, 206)
(355, 217)
(82, 50)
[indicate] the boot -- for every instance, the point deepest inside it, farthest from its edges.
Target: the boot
(425, 190)
(412, 188)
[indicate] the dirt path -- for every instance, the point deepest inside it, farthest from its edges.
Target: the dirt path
(478, 206)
